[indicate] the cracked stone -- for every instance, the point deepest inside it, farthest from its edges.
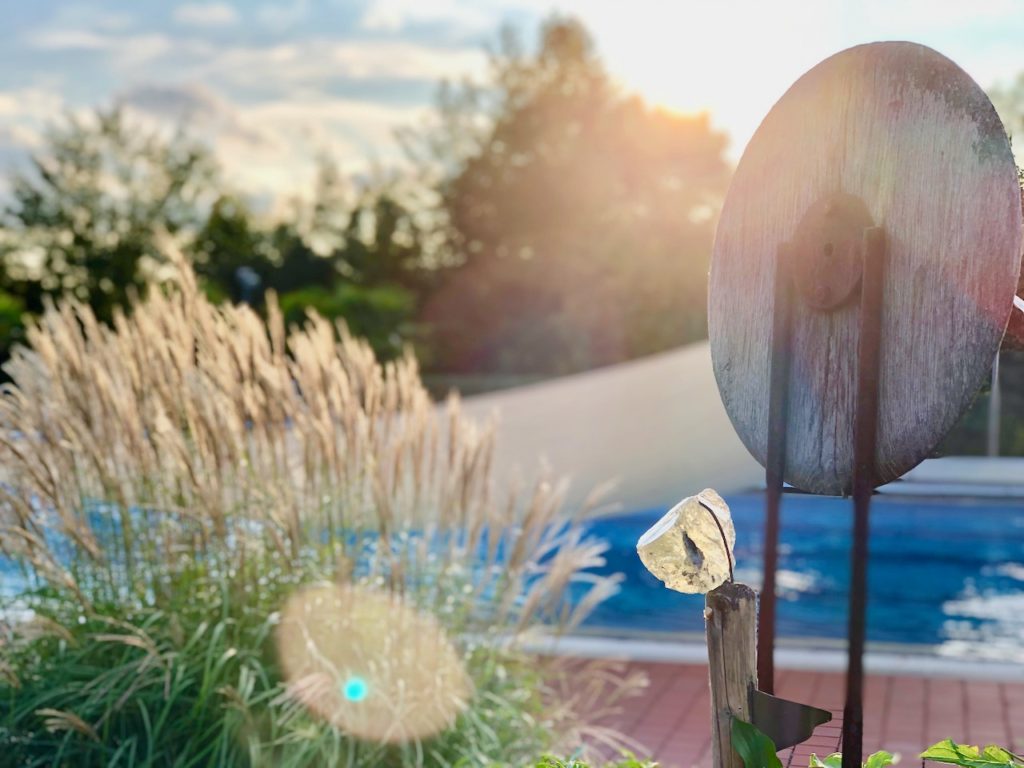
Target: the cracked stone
(685, 550)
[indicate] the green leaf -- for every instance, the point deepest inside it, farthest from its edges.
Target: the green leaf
(835, 760)
(948, 751)
(755, 748)
(879, 759)
(997, 754)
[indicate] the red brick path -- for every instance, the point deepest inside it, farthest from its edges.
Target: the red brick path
(901, 714)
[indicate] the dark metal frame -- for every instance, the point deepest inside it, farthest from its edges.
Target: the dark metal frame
(872, 254)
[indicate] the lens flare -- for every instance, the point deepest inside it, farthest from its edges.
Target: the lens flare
(370, 663)
(355, 689)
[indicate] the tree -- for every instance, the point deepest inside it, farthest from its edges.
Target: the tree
(579, 219)
(1009, 103)
(373, 276)
(228, 246)
(85, 219)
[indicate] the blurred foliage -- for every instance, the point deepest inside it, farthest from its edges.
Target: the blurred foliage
(550, 223)
(579, 219)
(970, 435)
(87, 218)
(380, 314)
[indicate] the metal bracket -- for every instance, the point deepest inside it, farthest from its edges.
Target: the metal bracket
(787, 723)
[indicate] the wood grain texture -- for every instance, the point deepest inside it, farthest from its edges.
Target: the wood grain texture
(731, 623)
(906, 130)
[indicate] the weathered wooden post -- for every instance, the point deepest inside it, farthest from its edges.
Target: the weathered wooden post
(730, 618)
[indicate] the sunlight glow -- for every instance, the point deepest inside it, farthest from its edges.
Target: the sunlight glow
(733, 60)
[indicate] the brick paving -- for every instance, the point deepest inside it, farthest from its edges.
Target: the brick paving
(902, 714)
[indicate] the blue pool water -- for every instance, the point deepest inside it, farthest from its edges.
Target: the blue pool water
(945, 573)
(942, 572)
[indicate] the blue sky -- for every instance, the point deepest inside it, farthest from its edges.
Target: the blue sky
(270, 83)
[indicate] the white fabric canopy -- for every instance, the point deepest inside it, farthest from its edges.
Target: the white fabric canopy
(656, 426)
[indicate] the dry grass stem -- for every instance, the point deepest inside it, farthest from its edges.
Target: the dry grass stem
(193, 435)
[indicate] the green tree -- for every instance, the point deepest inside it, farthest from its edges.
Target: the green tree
(354, 254)
(579, 219)
(86, 217)
(229, 241)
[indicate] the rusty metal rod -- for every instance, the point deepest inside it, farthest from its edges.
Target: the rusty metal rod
(865, 433)
(775, 463)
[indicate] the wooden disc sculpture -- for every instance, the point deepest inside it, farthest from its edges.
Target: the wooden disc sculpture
(864, 271)
(886, 135)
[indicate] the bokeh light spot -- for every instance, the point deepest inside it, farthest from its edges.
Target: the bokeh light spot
(370, 663)
(355, 689)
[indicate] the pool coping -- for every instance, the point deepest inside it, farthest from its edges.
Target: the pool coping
(888, 659)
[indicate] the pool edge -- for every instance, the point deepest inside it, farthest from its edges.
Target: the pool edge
(912, 663)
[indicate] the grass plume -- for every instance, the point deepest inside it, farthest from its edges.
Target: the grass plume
(169, 480)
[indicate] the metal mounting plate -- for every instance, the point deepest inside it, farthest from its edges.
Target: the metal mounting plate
(827, 250)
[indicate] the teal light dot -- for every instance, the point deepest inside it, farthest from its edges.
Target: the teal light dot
(355, 689)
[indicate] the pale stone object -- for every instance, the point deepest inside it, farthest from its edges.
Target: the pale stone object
(685, 548)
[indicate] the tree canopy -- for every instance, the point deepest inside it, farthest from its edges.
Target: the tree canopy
(561, 224)
(84, 220)
(580, 218)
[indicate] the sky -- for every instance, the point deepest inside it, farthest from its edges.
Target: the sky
(270, 84)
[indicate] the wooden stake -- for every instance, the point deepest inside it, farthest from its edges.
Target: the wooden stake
(730, 615)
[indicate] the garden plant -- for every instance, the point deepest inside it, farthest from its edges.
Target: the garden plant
(171, 480)
(757, 751)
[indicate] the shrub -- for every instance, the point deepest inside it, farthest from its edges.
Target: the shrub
(170, 481)
(757, 750)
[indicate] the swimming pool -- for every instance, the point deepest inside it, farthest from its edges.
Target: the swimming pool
(947, 573)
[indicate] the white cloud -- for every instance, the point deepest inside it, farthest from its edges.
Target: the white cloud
(282, 15)
(206, 14)
(195, 106)
(268, 149)
(125, 51)
(359, 135)
(395, 15)
(931, 14)
(56, 39)
(80, 15)
(405, 60)
(316, 62)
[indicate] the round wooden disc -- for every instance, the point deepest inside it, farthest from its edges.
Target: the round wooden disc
(909, 133)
